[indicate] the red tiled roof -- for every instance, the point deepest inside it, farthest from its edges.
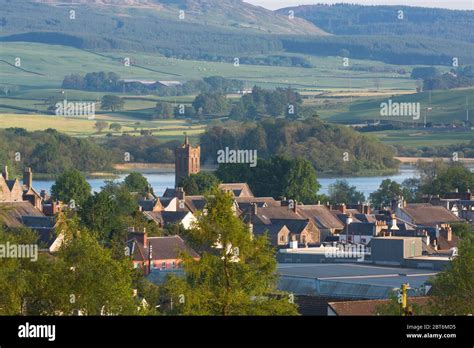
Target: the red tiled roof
(368, 307)
(429, 215)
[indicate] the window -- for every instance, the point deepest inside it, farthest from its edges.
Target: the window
(163, 265)
(173, 264)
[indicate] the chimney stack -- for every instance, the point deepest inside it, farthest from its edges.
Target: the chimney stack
(254, 209)
(180, 194)
(5, 172)
(394, 226)
(28, 177)
(295, 206)
(342, 208)
(140, 237)
(366, 209)
(449, 234)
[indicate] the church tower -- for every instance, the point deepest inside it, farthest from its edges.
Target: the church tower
(187, 161)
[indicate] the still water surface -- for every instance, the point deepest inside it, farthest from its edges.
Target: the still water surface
(160, 182)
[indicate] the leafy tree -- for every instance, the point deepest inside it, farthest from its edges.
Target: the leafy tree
(342, 192)
(411, 189)
(100, 126)
(51, 102)
(453, 288)
(15, 273)
(300, 182)
(455, 177)
(429, 170)
(163, 110)
(198, 184)
(83, 277)
(238, 111)
(237, 278)
(277, 177)
(71, 186)
(112, 102)
(116, 127)
(136, 182)
(424, 72)
(388, 190)
(210, 103)
(463, 230)
(111, 211)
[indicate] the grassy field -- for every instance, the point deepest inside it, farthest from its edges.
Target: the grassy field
(446, 106)
(55, 62)
(417, 138)
(341, 95)
(166, 130)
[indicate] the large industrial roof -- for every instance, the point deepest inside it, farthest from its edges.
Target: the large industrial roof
(348, 279)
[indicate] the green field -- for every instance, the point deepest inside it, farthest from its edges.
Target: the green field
(420, 138)
(446, 107)
(340, 95)
(55, 62)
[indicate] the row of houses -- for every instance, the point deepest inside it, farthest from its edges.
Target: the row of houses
(287, 223)
(23, 206)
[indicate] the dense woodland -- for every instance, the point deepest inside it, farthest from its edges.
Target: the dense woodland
(401, 50)
(51, 152)
(348, 19)
(331, 149)
(462, 77)
(279, 102)
(461, 150)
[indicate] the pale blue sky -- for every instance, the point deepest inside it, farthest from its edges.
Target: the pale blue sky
(452, 4)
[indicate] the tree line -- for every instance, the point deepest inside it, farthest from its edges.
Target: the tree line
(51, 152)
(111, 82)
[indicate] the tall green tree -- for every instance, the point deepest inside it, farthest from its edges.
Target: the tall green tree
(82, 277)
(136, 182)
(277, 177)
(163, 110)
(453, 288)
(236, 276)
(111, 211)
(455, 177)
(388, 190)
(15, 273)
(112, 102)
(198, 184)
(342, 192)
(71, 186)
(300, 182)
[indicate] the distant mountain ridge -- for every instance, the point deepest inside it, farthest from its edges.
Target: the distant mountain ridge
(223, 13)
(221, 30)
(349, 19)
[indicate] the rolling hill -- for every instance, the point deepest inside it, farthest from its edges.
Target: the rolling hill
(222, 13)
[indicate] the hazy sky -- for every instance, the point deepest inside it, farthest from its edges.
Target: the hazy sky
(452, 4)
